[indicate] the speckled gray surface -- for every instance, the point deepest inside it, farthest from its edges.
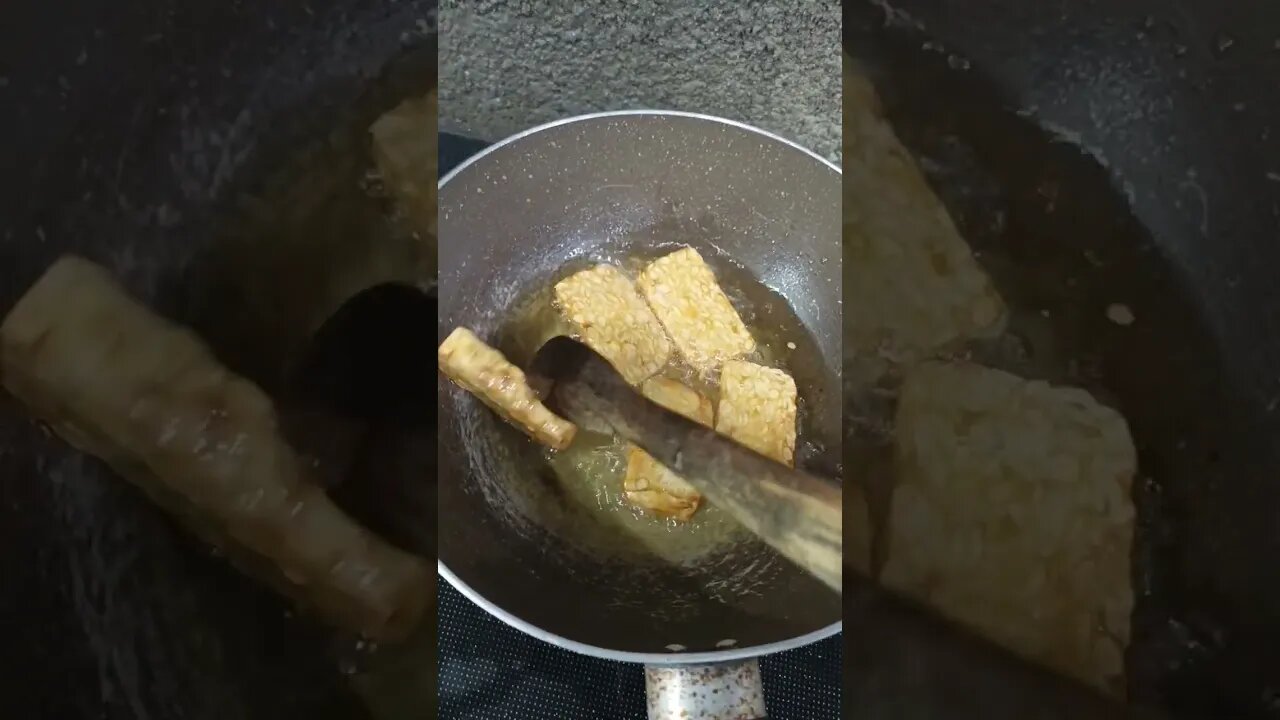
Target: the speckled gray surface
(506, 65)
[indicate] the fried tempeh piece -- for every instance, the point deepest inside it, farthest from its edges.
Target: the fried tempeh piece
(758, 409)
(648, 483)
(484, 372)
(1013, 515)
(702, 323)
(610, 316)
(404, 147)
(678, 397)
(911, 284)
(149, 398)
(405, 150)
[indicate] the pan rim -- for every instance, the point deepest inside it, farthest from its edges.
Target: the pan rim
(621, 113)
(510, 619)
(671, 658)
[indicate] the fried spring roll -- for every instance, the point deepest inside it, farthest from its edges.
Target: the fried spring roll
(485, 373)
(149, 398)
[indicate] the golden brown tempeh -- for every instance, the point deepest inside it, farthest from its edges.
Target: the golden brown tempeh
(680, 398)
(404, 147)
(702, 323)
(912, 286)
(609, 315)
(650, 485)
(1013, 516)
(758, 409)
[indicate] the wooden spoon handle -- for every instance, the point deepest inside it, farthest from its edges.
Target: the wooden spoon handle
(798, 514)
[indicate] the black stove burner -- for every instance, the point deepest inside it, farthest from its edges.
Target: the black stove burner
(490, 671)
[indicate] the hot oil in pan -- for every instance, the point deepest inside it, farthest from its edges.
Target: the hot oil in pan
(583, 497)
(589, 477)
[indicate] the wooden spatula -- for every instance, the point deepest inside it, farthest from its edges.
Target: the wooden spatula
(795, 512)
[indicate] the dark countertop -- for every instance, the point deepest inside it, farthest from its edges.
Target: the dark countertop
(507, 66)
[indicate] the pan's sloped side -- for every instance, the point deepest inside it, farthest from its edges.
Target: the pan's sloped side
(602, 188)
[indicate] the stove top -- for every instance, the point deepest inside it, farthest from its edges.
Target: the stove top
(490, 671)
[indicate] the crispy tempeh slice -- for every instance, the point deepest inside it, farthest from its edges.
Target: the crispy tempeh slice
(678, 397)
(485, 373)
(150, 399)
(698, 316)
(404, 147)
(1013, 515)
(648, 483)
(758, 409)
(912, 287)
(610, 316)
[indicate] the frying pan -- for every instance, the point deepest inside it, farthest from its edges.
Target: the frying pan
(605, 187)
(1117, 152)
(139, 134)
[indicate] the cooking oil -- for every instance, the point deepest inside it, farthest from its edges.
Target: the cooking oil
(582, 495)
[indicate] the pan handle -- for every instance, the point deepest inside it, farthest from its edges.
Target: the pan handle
(721, 691)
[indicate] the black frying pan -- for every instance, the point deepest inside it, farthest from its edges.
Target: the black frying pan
(135, 132)
(1127, 152)
(600, 188)
(618, 187)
